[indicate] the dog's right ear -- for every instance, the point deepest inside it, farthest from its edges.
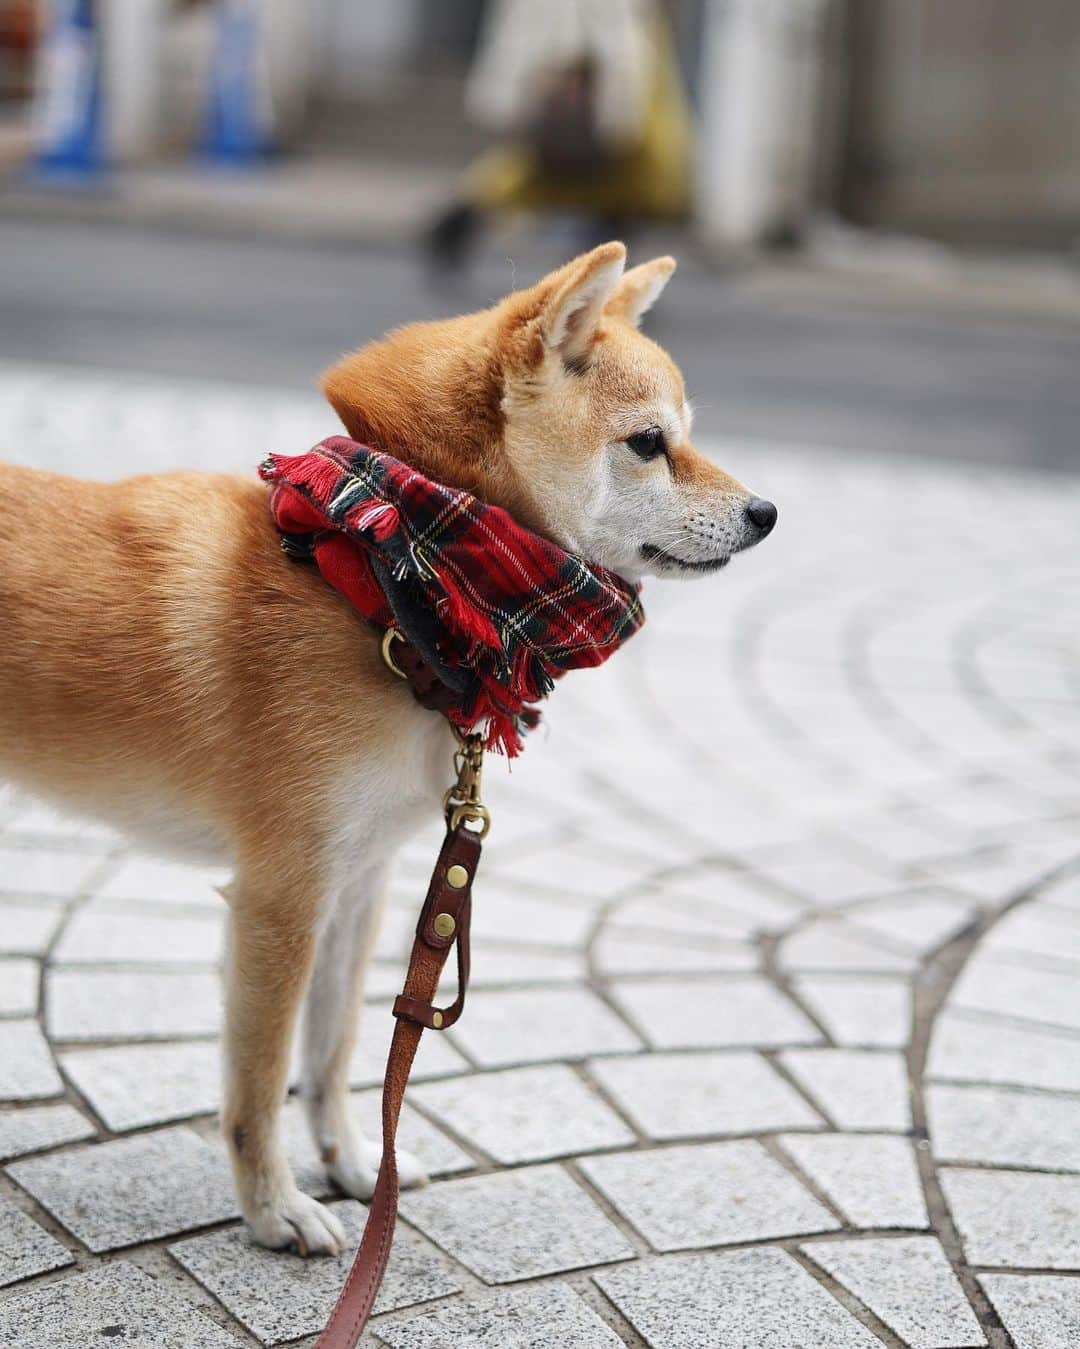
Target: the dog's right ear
(567, 305)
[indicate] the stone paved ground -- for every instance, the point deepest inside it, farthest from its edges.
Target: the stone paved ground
(775, 1042)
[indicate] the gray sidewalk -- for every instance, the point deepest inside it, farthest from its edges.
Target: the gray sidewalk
(776, 1032)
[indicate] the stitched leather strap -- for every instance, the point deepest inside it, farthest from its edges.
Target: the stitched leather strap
(449, 897)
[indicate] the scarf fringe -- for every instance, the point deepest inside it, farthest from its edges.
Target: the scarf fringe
(357, 505)
(311, 471)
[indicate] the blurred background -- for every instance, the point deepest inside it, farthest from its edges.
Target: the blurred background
(875, 203)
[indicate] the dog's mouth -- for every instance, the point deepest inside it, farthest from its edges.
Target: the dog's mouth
(651, 553)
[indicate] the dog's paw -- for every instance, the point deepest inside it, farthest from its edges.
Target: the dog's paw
(351, 1173)
(356, 1173)
(296, 1222)
(411, 1170)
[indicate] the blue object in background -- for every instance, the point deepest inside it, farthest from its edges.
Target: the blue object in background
(238, 119)
(69, 132)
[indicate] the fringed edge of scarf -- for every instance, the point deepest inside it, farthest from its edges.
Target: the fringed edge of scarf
(527, 677)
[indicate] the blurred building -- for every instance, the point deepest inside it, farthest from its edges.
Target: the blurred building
(953, 118)
(960, 117)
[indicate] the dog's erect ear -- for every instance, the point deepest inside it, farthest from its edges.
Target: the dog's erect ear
(574, 297)
(639, 289)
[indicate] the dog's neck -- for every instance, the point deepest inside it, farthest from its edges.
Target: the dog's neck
(438, 405)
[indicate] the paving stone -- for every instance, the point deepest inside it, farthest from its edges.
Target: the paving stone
(966, 1047)
(19, 980)
(859, 1011)
(548, 1316)
(132, 1190)
(736, 890)
(1016, 1218)
(679, 916)
(517, 1224)
(740, 1011)
(988, 984)
(114, 1302)
(873, 1178)
(34, 871)
(995, 878)
(41, 1127)
(279, 1296)
(908, 1283)
(575, 870)
(997, 1126)
(152, 881)
(759, 1299)
(833, 944)
(984, 807)
(1063, 892)
(707, 1194)
(130, 1086)
(27, 929)
(101, 933)
(1033, 931)
(27, 1071)
(605, 824)
(93, 1004)
(618, 951)
(525, 1114)
(857, 1088)
(509, 916)
(502, 967)
(532, 1026)
(904, 840)
(672, 1096)
(920, 920)
(25, 1247)
(1038, 1311)
(823, 875)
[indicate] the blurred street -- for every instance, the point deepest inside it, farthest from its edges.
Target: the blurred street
(933, 362)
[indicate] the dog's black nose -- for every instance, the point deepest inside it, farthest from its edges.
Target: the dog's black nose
(762, 514)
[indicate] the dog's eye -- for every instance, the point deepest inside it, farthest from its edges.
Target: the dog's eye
(647, 444)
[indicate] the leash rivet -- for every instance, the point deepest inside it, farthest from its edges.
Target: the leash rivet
(457, 877)
(444, 924)
(436, 1020)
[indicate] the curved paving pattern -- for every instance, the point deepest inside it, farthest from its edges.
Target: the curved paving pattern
(776, 1034)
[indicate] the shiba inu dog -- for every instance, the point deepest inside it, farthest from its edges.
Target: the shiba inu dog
(165, 668)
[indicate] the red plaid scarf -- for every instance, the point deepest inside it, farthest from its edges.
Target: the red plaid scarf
(497, 611)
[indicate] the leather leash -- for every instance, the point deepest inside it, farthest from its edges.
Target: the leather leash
(443, 922)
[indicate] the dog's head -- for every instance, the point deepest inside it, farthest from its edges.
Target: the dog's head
(553, 405)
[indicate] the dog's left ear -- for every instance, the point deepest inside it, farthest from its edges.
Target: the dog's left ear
(574, 299)
(639, 289)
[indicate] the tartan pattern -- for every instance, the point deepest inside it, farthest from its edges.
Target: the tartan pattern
(499, 611)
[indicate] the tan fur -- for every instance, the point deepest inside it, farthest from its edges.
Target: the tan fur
(163, 665)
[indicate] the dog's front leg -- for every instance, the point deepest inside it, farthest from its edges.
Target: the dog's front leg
(271, 945)
(331, 1016)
